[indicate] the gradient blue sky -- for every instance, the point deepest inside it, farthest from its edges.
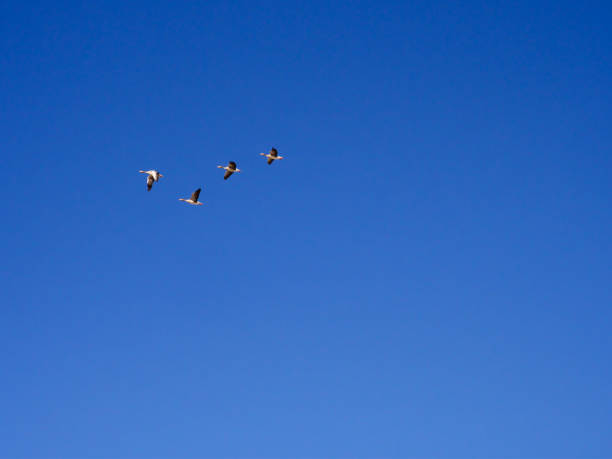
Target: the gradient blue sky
(427, 274)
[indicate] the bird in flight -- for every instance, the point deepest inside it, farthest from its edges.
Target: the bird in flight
(229, 169)
(272, 155)
(152, 176)
(194, 198)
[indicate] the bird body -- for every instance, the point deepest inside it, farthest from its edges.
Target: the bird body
(152, 176)
(194, 198)
(229, 169)
(272, 156)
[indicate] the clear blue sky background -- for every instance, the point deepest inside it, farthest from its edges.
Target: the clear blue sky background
(426, 274)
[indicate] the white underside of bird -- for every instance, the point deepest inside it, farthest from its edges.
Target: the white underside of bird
(189, 201)
(193, 200)
(152, 176)
(271, 157)
(229, 170)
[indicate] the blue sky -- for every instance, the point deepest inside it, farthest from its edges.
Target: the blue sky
(427, 274)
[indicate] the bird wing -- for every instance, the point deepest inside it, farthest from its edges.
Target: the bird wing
(232, 164)
(149, 183)
(227, 175)
(270, 160)
(196, 195)
(273, 152)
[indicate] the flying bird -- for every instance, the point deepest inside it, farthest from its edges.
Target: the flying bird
(152, 176)
(272, 155)
(194, 198)
(229, 169)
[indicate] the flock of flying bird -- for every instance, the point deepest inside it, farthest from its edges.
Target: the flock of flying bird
(153, 175)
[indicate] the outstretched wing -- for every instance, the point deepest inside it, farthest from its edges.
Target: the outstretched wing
(196, 195)
(149, 182)
(232, 164)
(273, 152)
(270, 160)
(227, 175)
